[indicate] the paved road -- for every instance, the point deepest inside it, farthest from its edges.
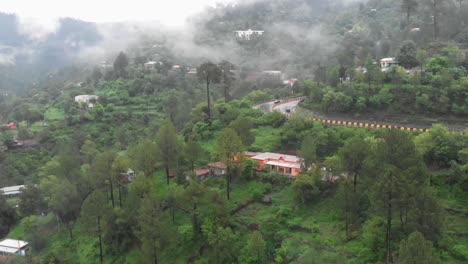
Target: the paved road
(286, 107)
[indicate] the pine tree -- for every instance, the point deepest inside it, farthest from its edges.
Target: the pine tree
(168, 147)
(152, 231)
(94, 211)
(416, 250)
(255, 250)
(229, 148)
(210, 73)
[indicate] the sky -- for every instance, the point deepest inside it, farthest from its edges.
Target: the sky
(169, 12)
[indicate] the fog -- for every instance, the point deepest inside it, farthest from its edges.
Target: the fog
(287, 44)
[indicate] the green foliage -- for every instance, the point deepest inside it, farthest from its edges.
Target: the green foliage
(243, 126)
(460, 251)
(8, 216)
(32, 201)
(416, 250)
(305, 189)
(373, 242)
(407, 55)
(308, 151)
(255, 249)
(274, 119)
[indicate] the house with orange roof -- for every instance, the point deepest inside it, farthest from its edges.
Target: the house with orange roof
(284, 164)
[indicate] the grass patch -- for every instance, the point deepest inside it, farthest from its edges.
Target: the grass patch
(54, 114)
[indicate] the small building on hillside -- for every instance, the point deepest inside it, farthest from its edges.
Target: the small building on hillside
(88, 100)
(386, 63)
(12, 126)
(290, 82)
(247, 34)
(12, 191)
(127, 177)
(201, 174)
(217, 169)
(361, 69)
(150, 65)
(13, 247)
(192, 71)
(280, 163)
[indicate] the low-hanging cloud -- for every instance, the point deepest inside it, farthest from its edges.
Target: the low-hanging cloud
(35, 29)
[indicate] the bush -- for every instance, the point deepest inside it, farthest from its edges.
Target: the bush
(256, 194)
(373, 242)
(460, 252)
(305, 189)
(464, 183)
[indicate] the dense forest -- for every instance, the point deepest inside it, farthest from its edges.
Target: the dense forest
(143, 155)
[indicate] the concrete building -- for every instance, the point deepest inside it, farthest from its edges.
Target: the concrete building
(280, 163)
(12, 191)
(88, 100)
(386, 63)
(12, 247)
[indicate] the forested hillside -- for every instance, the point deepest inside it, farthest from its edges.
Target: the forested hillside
(202, 145)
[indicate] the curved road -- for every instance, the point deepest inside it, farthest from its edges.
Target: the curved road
(288, 107)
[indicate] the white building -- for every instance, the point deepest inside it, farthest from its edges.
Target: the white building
(86, 99)
(387, 62)
(246, 34)
(13, 247)
(152, 64)
(12, 191)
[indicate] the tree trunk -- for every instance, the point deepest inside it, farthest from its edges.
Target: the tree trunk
(70, 231)
(402, 224)
(167, 174)
(111, 186)
(193, 166)
(100, 239)
(434, 17)
(408, 14)
(120, 196)
(354, 182)
(155, 257)
(228, 183)
(347, 214)
(208, 99)
(173, 214)
(195, 222)
(388, 237)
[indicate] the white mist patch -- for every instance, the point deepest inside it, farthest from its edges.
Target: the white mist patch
(35, 28)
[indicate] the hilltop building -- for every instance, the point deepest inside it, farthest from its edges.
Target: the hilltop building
(247, 34)
(386, 63)
(90, 100)
(150, 65)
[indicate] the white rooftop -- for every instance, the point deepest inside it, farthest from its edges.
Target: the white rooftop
(388, 60)
(284, 164)
(11, 190)
(277, 156)
(12, 245)
(85, 97)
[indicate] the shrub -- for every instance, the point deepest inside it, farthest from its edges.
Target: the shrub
(460, 252)
(256, 194)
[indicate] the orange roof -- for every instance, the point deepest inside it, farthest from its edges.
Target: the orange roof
(202, 172)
